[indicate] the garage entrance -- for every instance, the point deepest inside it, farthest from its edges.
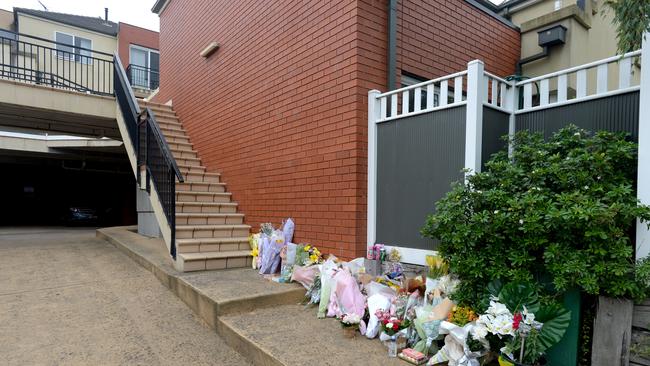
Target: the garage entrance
(70, 181)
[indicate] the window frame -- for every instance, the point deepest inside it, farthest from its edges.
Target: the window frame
(76, 54)
(149, 51)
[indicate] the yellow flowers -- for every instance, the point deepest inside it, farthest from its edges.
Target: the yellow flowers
(307, 247)
(313, 258)
(461, 315)
(437, 266)
(255, 252)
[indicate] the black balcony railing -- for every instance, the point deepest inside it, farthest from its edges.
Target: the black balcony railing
(152, 150)
(41, 61)
(142, 77)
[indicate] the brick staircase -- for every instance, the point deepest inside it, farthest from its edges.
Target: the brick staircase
(210, 233)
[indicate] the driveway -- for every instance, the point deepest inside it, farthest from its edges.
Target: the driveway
(68, 298)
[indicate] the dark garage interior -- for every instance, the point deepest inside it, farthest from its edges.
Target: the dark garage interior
(71, 189)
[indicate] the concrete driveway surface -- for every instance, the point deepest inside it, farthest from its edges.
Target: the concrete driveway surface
(68, 298)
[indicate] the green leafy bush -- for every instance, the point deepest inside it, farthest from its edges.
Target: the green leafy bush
(560, 211)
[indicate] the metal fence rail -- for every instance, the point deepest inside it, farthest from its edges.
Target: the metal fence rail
(45, 62)
(143, 77)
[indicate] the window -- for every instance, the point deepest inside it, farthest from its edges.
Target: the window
(68, 47)
(410, 79)
(144, 66)
(83, 56)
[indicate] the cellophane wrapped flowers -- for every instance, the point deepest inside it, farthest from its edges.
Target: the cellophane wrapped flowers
(391, 324)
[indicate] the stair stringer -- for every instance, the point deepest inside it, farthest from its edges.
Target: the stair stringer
(154, 198)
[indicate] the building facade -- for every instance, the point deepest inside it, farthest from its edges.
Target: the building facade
(280, 108)
(82, 44)
(588, 35)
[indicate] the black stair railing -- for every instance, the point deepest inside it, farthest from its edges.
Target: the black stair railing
(153, 154)
(160, 166)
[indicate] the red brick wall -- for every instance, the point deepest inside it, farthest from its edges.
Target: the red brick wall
(130, 34)
(281, 108)
(439, 37)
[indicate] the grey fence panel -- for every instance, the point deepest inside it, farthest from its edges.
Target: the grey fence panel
(418, 158)
(495, 126)
(615, 113)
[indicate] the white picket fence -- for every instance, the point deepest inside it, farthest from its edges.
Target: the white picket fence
(475, 89)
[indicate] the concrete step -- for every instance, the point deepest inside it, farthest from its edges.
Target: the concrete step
(212, 245)
(176, 137)
(161, 106)
(187, 161)
(210, 294)
(184, 168)
(194, 177)
(215, 260)
(184, 146)
(201, 187)
(211, 231)
(179, 154)
(209, 219)
(161, 113)
(295, 325)
(173, 129)
(191, 196)
(203, 207)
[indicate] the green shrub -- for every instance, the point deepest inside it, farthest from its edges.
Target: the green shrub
(560, 211)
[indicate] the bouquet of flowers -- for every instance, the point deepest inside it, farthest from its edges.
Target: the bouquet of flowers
(350, 321)
(266, 228)
(461, 315)
(253, 241)
(391, 325)
(306, 255)
(437, 266)
(350, 324)
(523, 326)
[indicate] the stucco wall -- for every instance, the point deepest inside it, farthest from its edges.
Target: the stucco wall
(95, 74)
(34, 26)
(6, 19)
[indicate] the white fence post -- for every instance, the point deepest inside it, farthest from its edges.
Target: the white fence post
(474, 116)
(512, 103)
(373, 116)
(643, 175)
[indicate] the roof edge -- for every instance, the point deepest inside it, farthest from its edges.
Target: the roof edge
(159, 6)
(38, 14)
(490, 9)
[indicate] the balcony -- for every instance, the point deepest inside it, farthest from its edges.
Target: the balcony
(142, 78)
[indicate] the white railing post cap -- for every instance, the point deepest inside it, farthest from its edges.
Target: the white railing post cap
(475, 62)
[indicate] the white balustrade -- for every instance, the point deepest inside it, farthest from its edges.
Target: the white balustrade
(409, 100)
(496, 91)
(579, 83)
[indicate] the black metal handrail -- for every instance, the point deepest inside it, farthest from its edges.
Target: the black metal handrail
(152, 151)
(160, 167)
(55, 64)
(143, 77)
